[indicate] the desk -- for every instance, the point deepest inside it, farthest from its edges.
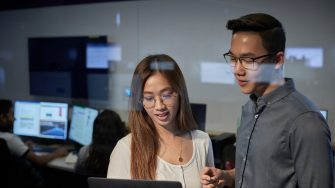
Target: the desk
(66, 163)
(60, 164)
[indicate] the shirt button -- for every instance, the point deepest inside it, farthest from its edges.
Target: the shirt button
(256, 116)
(244, 159)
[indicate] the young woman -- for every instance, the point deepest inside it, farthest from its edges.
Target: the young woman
(164, 143)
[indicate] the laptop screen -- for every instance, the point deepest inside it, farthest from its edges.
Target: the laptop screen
(95, 182)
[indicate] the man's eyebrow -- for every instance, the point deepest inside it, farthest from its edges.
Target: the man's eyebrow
(248, 54)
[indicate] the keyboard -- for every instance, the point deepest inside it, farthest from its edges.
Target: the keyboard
(44, 148)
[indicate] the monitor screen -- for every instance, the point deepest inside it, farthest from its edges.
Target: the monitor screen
(58, 65)
(41, 119)
(81, 128)
(199, 114)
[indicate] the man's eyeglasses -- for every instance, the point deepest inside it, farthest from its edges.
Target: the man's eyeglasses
(168, 99)
(249, 63)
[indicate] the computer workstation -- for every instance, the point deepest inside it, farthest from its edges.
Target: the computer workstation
(81, 130)
(80, 134)
(48, 126)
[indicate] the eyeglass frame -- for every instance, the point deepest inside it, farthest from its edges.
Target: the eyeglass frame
(173, 95)
(241, 58)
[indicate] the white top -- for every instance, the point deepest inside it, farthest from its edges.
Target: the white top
(82, 156)
(187, 174)
(14, 143)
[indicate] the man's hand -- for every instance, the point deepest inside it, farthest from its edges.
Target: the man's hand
(30, 144)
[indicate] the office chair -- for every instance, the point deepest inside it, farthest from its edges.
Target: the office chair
(7, 164)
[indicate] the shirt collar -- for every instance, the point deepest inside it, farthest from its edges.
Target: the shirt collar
(275, 95)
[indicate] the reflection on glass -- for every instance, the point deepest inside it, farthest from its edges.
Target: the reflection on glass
(99, 55)
(216, 73)
(311, 57)
(118, 19)
(324, 113)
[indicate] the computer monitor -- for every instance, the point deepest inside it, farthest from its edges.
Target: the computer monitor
(199, 114)
(81, 127)
(41, 119)
(324, 113)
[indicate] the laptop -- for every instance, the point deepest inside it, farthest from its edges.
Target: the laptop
(99, 182)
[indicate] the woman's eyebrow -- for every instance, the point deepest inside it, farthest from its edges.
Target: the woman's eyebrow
(160, 92)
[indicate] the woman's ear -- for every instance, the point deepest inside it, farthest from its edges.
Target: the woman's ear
(280, 60)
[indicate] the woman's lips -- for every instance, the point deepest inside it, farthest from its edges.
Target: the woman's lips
(162, 116)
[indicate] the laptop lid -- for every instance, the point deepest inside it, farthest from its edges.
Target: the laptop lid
(99, 182)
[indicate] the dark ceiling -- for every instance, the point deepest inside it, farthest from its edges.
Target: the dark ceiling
(24, 4)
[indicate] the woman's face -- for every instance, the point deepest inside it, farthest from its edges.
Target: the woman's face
(160, 101)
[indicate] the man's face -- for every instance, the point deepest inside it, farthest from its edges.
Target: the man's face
(249, 44)
(10, 116)
(7, 121)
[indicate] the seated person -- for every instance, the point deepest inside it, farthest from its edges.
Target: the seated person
(17, 148)
(93, 159)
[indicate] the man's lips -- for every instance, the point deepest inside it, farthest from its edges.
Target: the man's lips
(242, 82)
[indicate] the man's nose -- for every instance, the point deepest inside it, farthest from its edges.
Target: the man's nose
(238, 66)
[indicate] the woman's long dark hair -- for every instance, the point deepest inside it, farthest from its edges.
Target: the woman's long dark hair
(107, 130)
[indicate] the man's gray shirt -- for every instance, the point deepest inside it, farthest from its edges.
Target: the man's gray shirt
(283, 142)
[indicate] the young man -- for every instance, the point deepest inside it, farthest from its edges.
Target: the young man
(283, 141)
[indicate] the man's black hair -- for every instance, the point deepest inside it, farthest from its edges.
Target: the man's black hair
(269, 28)
(5, 105)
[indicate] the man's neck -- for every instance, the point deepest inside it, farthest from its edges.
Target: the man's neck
(266, 88)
